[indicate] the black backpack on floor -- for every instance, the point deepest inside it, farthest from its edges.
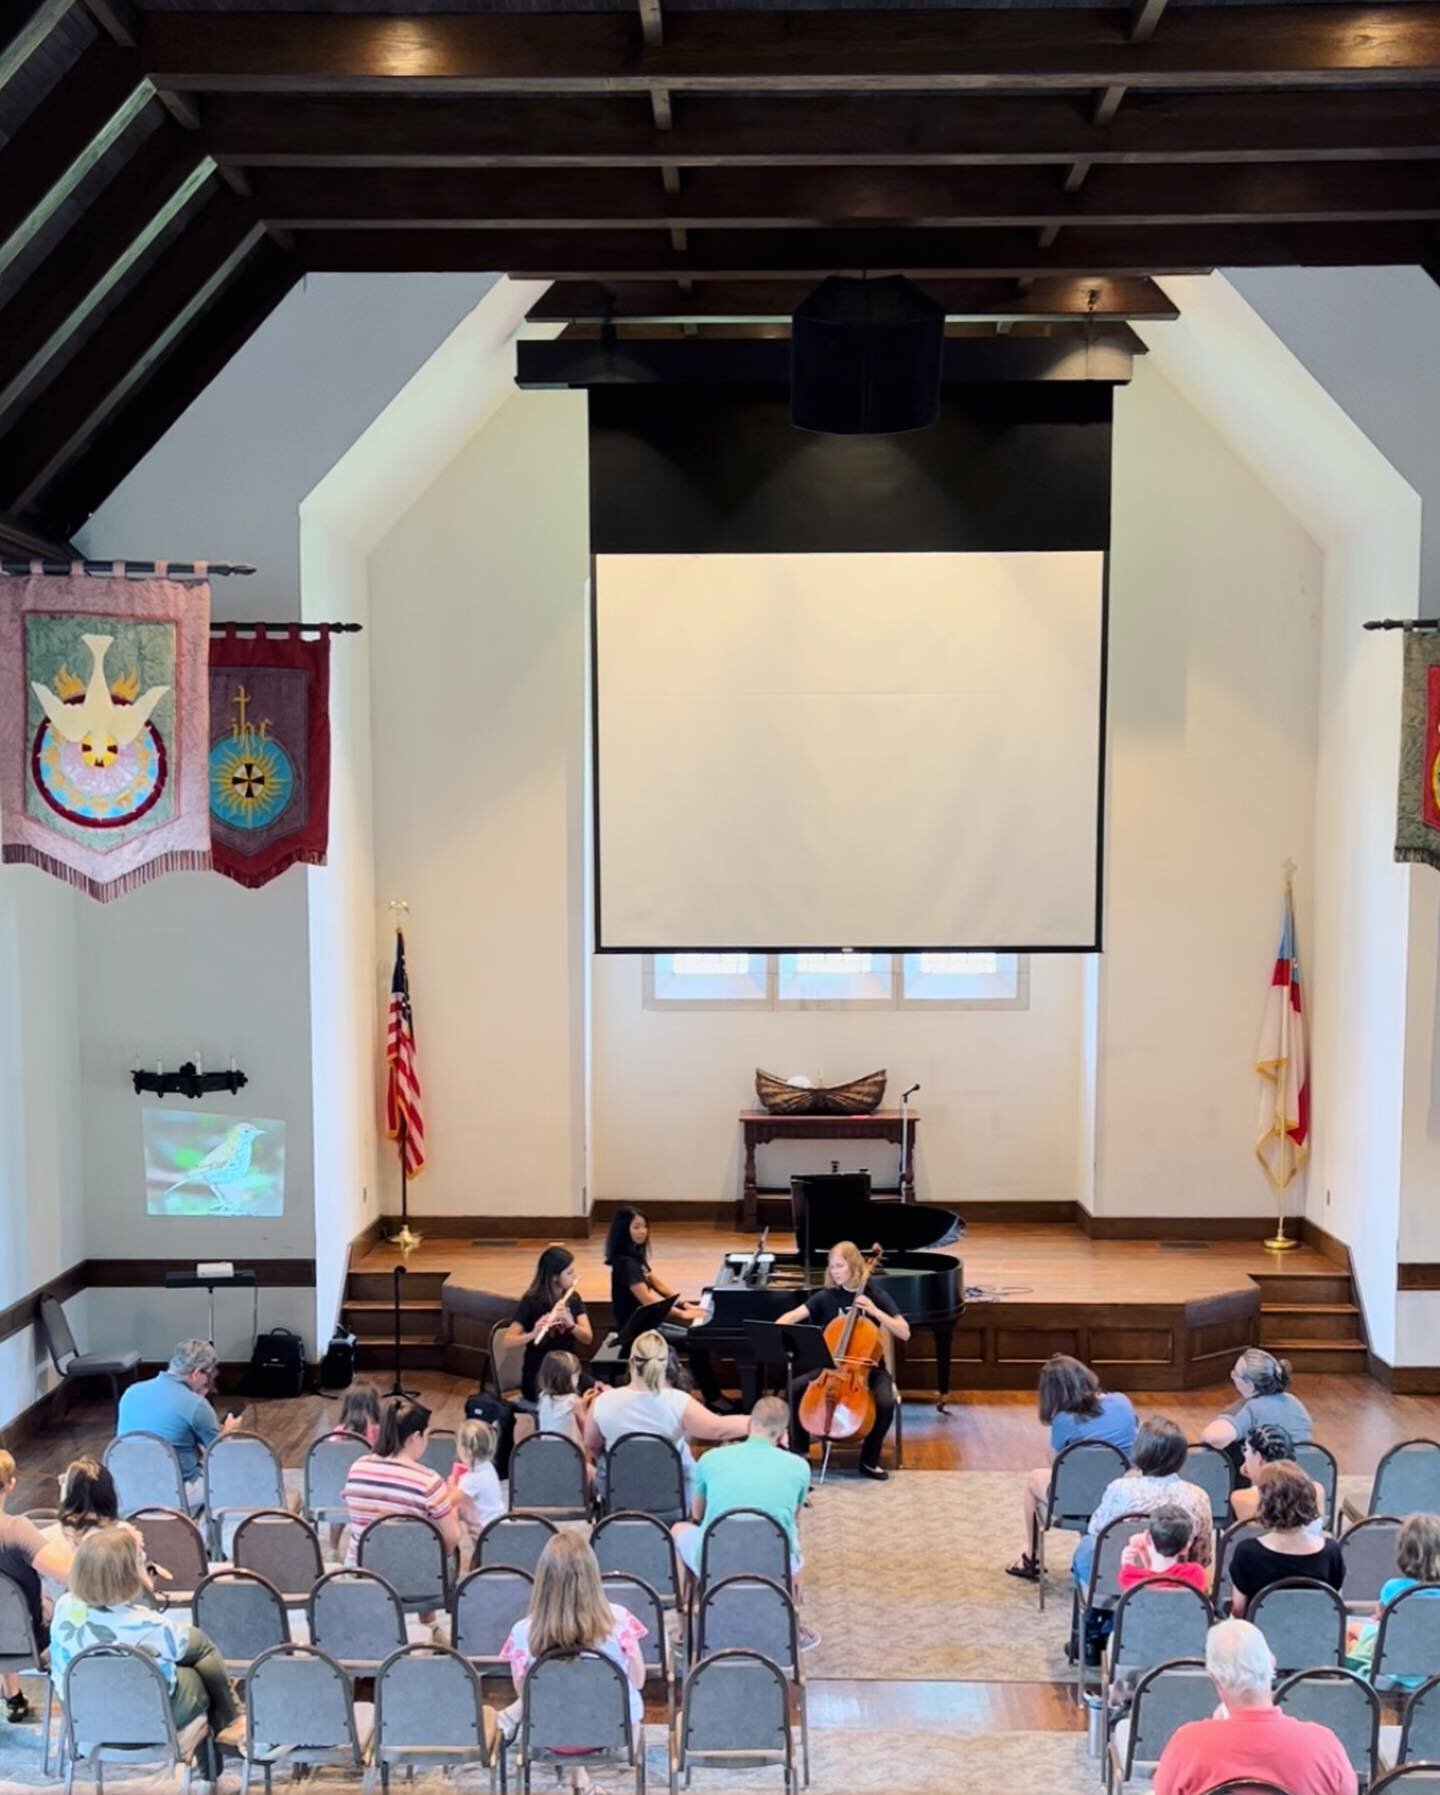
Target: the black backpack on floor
(277, 1365)
(337, 1368)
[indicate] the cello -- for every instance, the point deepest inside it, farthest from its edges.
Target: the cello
(838, 1404)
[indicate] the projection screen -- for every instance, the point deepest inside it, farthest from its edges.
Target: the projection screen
(892, 751)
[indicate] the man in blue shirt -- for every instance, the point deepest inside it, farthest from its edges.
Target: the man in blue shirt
(176, 1405)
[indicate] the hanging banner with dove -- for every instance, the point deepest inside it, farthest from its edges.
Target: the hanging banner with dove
(1417, 831)
(269, 754)
(104, 724)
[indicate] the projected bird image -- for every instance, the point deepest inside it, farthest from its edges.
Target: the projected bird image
(213, 1165)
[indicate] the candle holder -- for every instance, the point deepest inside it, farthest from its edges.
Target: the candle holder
(187, 1081)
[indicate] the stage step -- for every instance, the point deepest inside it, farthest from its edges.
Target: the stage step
(374, 1351)
(417, 1320)
(379, 1286)
(1321, 1355)
(1314, 1322)
(1304, 1287)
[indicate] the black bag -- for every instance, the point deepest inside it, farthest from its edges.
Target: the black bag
(337, 1368)
(501, 1417)
(277, 1365)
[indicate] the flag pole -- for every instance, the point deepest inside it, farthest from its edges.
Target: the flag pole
(403, 1237)
(1280, 1241)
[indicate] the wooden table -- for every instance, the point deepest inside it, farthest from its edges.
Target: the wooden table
(759, 1127)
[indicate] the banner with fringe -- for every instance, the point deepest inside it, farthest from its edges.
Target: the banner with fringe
(269, 754)
(1417, 831)
(104, 723)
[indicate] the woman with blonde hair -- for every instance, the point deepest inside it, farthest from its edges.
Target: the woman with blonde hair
(569, 1613)
(110, 1602)
(650, 1404)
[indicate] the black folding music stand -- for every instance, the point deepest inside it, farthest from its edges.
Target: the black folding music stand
(795, 1345)
(649, 1315)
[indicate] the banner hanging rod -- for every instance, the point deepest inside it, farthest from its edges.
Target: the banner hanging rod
(174, 570)
(1411, 625)
(284, 629)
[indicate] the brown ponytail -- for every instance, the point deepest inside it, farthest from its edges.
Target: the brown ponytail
(399, 1420)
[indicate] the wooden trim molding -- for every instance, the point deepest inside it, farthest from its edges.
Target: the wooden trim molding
(499, 1227)
(1331, 1248)
(19, 1315)
(1417, 1274)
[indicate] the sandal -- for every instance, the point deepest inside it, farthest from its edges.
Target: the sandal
(1025, 1568)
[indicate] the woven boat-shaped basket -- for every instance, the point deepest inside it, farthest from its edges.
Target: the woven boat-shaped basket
(857, 1098)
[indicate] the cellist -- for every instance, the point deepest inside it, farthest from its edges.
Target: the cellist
(843, 1272)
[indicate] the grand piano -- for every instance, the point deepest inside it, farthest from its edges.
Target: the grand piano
(928, 1287)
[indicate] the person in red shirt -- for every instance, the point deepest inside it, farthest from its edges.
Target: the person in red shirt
(1251, 1737)
(1163, 1550)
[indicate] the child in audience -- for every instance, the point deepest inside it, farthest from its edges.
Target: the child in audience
(474, 1480)
(560, 1406)
(360, 1414)
(1417, 1552)
(1163, 1550)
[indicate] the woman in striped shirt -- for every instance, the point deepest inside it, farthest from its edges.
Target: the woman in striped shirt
(391, 1480)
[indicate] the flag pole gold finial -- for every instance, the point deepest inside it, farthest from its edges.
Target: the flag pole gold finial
(399, 911)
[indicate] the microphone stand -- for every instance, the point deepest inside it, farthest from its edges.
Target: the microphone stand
(398, 1388)
(905, 1097)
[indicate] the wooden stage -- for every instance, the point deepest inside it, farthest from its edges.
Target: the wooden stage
(1147, 1314)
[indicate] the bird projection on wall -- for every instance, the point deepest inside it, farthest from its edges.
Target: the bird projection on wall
(198, 1164)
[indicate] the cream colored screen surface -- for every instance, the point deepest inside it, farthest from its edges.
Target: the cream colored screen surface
(881, 751)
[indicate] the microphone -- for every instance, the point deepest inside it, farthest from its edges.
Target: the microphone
(910, 1093)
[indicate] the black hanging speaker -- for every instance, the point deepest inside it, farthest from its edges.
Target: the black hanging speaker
(866, 357)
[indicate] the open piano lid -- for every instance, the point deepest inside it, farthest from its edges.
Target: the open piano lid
(833, 1206)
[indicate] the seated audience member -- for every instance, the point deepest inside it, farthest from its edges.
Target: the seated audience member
(569, 1612)
(175, 1404)
(25, 1557)
(111, 1602)
(651, 1404)
(1153, 1481)
(1250, 1737)
(1267, 1445)
(756, 1472)
(391, 1480)
(359, 1414)
(1163, 1550)
(1263, 1385)
(474, 1481)
(1417, 1553)
(1073, 1407)
(1288, 1547)
(87, 1500)
(562, 1408)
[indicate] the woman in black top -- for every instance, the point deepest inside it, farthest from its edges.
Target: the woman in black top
(634, 1283)
(551, 1315)
(1287, 1548)
(842, 1273)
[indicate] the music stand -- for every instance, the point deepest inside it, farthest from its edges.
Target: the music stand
(795, 1345)
(649, 1315)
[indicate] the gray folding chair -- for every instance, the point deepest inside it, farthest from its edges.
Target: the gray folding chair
(429, 1712)
(356, 1618)
(488, 1603)
(644, 1474)
(745, 1542)
(70, 1362)
(1408, 1643)
(20, 1650)
(1155, 1622)
(1212, 1470)
(547, 1477)
(1220, 1583)
(735, 1712)
(1102, 1590)
(503, 1367)
(1417, 1738)
(755, 1614)
(579, 1699)
(1318, 1464)
(1079, 1477)
(283, 1548)
(439, 1453)
(242, 1473)
(242, 1614)
(1303, 1622)
(1166, 1698)
(1369, 1549)
(117, 1711)
(516, 1540)
(408, 1551)
(1407, 1482)
(327, 1465)
(655, 1647)
(299, 1709)
(1344, 1703)
(1409, 1779)
(177, 1546)
(637, 1545)
(146, 1473)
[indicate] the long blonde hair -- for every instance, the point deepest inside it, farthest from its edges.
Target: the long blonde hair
(853, 1257)
(650, 1361)
(568, 1610)
(106, 1569)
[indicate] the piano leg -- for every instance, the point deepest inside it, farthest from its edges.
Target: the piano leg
(943, 1333)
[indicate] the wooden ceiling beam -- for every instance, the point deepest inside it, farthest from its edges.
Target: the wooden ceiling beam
(747, 199)
(118, 19)
(956, 51)
(812, 254)
(655, 302)
(50, 432)
(267, 276)
(1144, 17)
(20, 41)
(265, 130)
(29, 537)
(63, 139)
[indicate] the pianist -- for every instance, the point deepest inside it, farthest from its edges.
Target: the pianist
(843, 1272)
(634, 1283)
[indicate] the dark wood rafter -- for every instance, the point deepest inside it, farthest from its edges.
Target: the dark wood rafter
(22, 37)
(118, 19)
(267, 276)
(976, 50)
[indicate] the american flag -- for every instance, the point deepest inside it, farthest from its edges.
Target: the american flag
(1283, 1064)
(403, 1114)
